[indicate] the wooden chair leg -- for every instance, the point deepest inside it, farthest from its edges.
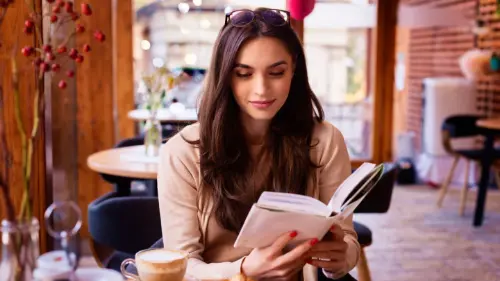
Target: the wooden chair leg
(362, 267)
(465, 188)
(446, 183)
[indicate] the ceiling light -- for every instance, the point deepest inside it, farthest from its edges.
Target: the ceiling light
(183, 7)
(158, 62)
(145, 45)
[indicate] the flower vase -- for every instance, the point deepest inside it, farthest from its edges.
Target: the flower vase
(20, 250)
(152, 137)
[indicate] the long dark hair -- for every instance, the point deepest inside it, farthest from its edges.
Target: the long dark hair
(224, 156)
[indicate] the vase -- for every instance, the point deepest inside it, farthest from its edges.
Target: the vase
(20, 250)
(152, 137)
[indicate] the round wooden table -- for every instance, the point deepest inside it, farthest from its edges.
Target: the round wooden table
(128, 161)
(165, 116)
(490, 123)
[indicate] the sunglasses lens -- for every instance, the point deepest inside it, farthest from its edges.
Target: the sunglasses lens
(241, 18)
(275, 17)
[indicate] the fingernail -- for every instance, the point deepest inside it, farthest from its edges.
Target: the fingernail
(293, 233)
(314, 241)
(332, 228)
(309, 260)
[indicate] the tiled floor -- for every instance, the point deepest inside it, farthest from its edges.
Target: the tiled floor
(415, 241)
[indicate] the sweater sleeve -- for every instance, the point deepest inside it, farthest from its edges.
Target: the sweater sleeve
(177, 195)
(336, 167)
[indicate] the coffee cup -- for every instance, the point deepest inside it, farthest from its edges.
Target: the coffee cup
(157, 265)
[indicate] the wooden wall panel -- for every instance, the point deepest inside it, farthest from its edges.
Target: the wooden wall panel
(12, 40)
(95, 103)
(123, 71)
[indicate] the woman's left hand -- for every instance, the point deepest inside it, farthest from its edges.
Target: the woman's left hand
(330, 253)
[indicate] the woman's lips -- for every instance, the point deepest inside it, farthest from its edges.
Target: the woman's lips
(262, 104)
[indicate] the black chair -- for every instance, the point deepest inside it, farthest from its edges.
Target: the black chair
(455, 127)
(377, 201)
(120, 226)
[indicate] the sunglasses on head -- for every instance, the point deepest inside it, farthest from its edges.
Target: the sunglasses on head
(243, 17)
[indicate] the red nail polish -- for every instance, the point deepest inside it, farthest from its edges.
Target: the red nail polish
(309, 261)
(314, 241)
(332, 228)
(293, 234)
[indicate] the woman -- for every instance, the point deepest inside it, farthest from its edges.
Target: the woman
(260, 128)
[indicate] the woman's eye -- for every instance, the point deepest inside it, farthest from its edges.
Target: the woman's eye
(280, 73)
(243, 74)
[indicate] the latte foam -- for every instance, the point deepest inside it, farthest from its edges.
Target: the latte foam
(161, 256)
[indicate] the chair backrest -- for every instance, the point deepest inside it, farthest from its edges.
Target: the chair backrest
(126, 224)
(461, 125)
(379, 198)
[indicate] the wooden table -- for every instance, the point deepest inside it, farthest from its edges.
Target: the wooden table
(128, 161)
(491, 128)
(490, 123)
(165, 116)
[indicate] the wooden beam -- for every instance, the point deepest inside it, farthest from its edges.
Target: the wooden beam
(95, 103)
(385, 46)
(298, 27)
(123, 69)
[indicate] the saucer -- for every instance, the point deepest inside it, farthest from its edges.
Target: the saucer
(82, 274)
(98, 274)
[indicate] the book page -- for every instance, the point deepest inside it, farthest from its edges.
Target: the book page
(262, 227)
(292, 203)
(348, 186)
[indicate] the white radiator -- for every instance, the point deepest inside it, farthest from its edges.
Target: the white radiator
(443, 97)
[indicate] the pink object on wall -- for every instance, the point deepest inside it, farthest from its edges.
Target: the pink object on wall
(299, 9)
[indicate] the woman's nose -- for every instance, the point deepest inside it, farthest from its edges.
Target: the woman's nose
(260, 85)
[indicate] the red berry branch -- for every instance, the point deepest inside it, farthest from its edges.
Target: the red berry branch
(48, 55)
(53, 54)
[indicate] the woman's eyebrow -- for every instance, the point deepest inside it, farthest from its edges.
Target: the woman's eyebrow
(277, 63)
(242, 65)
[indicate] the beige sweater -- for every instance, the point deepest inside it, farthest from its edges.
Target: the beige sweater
(186, 227)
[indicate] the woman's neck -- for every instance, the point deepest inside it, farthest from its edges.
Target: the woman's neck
(255, 131)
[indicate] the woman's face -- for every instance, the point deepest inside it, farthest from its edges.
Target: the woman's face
(261, 78)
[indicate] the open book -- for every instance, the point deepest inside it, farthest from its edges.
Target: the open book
(276, 213)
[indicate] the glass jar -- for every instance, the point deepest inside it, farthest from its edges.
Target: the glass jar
(20, 249)
(152, 137)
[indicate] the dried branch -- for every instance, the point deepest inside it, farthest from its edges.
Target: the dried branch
(4, 176)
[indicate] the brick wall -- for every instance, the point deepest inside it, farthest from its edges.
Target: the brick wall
(434, 52)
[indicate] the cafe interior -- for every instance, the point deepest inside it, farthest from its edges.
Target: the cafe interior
(91, 89)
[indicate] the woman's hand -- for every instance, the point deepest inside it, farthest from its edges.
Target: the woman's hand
(330, 254)
(270, 262)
